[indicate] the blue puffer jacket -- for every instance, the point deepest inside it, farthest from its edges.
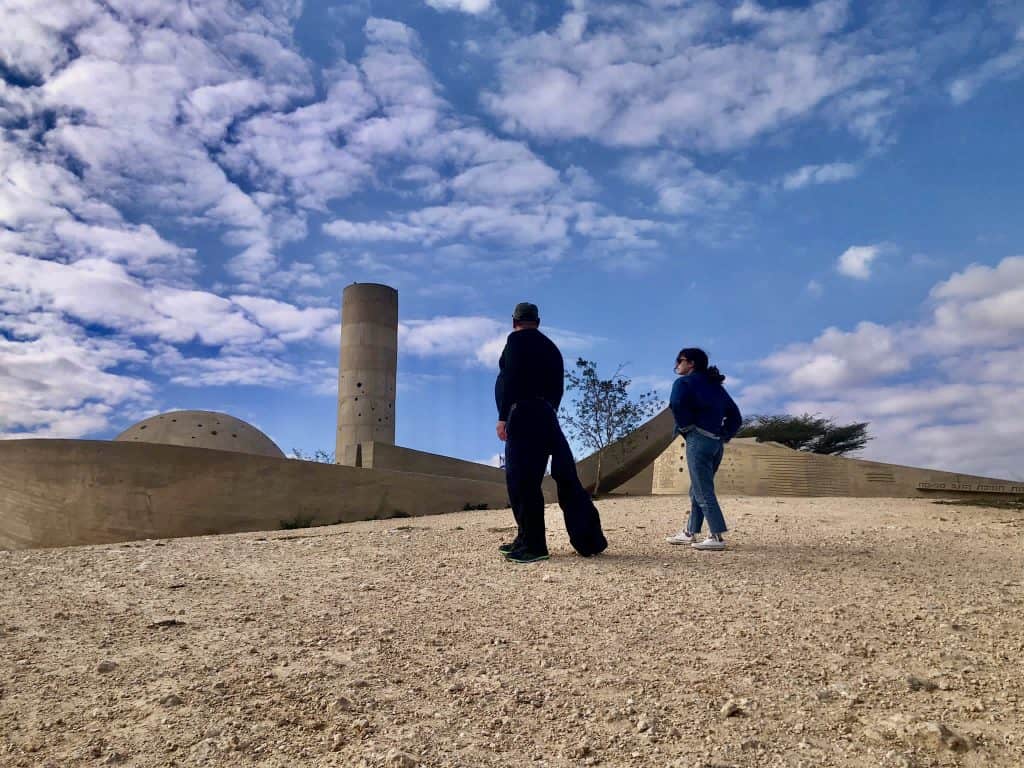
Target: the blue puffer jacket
(697, 401)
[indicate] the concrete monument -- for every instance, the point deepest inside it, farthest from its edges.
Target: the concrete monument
(188, 473)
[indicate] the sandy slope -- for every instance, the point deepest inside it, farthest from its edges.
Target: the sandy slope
(838, 632)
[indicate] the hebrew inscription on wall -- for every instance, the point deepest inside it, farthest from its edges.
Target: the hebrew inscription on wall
(972, 486)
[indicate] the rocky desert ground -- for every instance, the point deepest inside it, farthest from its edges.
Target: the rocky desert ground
(834, 632)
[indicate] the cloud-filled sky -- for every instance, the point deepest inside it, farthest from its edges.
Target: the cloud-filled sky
(826, 196)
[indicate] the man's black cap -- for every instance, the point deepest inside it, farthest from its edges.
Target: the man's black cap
(526, 312)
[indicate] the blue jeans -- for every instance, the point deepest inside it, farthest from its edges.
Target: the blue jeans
(703, 456)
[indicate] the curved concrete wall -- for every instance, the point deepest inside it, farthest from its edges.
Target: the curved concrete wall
(56, 493)
(368, 368)
(622, 460)
(399, 459)
(202, 429)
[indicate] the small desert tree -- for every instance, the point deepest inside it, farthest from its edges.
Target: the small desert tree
(813, 434)
(602, 410)
(319, 455)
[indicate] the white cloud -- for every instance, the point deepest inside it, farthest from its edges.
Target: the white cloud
(1008, 65)
(681, 187)
(955, 424)
(839, 358)
(819, 174)
(865, 114)
(56, 381)
(373, 231)
(60, 377)
(815, 288)
(102, 293)
(978, 281)
(141, 106)
(230, 368)
(687, 75)
(944, 393)
(30, 41)
(98, 292)
(981, 305)
(466, 6)
(523, 177)
(856, 261)
(526, 226)
(132, 98)
(45, 211)
(289, 322)
(474, 340)
(620, 231)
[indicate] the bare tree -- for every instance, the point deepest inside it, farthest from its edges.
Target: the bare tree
(319, 455)
(602, 410)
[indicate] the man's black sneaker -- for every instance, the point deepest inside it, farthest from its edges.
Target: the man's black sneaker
(508, 547)
(526, 556)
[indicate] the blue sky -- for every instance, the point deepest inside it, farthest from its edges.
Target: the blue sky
(825, 196)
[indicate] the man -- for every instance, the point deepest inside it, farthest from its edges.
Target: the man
(528, 391)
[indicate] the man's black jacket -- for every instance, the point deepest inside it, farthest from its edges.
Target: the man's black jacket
(530, 366)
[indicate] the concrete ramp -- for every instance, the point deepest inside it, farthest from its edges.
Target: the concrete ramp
(625, 458)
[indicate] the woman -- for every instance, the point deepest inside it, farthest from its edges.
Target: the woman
(707, 418)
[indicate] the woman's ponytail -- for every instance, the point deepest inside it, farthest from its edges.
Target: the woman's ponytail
(699, 358)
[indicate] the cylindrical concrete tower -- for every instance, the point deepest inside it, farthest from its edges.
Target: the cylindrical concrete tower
(368, 369)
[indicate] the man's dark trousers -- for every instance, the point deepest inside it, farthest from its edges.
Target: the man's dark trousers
(582, 521)
(534, 435)
(531, 427)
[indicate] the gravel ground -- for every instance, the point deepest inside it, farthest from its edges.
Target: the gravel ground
(833, 632)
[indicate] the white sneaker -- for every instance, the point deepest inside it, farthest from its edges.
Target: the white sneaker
(710, 544)
(683, 537)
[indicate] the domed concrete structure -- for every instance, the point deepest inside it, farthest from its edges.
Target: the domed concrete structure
(202, 429)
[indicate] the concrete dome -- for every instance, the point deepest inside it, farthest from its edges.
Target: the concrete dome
(202, 429)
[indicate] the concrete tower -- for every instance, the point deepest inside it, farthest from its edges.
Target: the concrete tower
(368, 370)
